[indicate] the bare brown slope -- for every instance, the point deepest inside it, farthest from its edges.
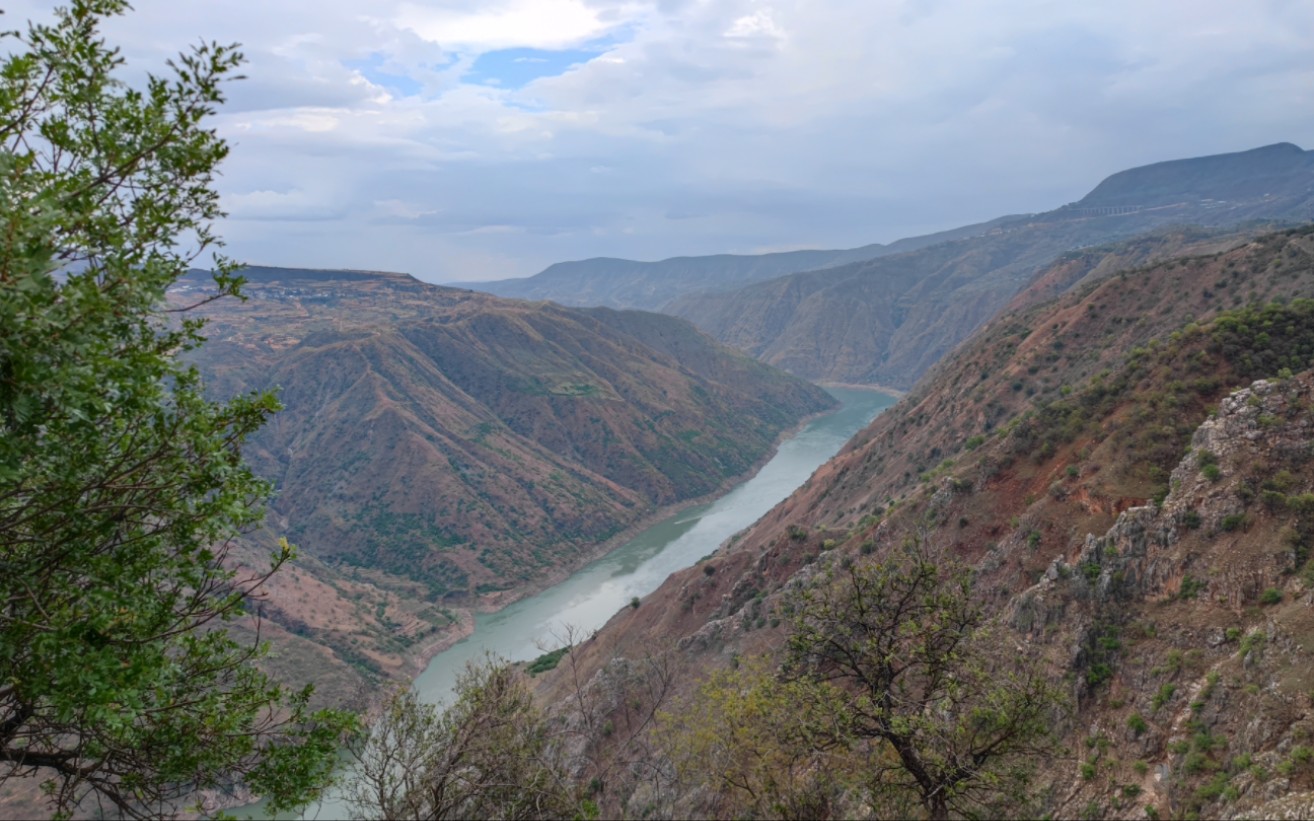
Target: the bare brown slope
(889, 320)
(1037, 453)
(474, 443)
(442, 450)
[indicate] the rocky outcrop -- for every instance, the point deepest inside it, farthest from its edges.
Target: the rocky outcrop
(1140, 524)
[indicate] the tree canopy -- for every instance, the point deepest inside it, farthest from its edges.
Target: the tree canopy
(489, 755)
(958, 720)
(122, 485)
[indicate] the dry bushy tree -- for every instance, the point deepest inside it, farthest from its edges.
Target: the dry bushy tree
(489, 755)
(957, 719)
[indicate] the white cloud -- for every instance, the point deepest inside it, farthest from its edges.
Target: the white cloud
(759, 24)
(400, 209)
(707, 125)
(488, 26)
(281, 205)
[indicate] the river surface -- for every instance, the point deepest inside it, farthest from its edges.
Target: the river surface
(585, 601)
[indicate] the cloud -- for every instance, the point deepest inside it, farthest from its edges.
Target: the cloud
(758, 25)
(465, 139)
(489, 26)
(294, 205)
(400, 210)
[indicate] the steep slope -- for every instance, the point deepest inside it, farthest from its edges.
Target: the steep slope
(441, 450)
(1127, 509)
(623, 283)
(887, 320)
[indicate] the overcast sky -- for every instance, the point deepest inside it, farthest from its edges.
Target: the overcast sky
(483, 139)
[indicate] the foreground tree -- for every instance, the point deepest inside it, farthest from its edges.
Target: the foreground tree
(121, 485)
(958, 721)
(756, 746)
(489, 755)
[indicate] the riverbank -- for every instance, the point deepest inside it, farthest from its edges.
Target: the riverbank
(585, 600)
(417, 660)
(863, 386)
(677, 535)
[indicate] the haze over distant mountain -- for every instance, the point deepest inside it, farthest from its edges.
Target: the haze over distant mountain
(625, 283)
(444, 449)
(887, 320)
(1248, 180)
(1279, 172)
(884, 314)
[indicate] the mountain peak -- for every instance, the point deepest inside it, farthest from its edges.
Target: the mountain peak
(1268, 171)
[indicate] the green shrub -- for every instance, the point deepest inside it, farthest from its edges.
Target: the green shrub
(1136, 723)
(1191, 588)
(1164, 695)
(1252, 642)
(547, 661)
(1270, 596)
(1196, 762)
(1233, 521)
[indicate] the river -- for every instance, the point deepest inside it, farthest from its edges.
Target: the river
(586, 600)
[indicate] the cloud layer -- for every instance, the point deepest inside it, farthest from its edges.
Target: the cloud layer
(476, 139)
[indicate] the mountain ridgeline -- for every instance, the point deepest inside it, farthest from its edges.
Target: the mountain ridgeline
(887, 313)
(1110, 427)
(442, 449)
(650, 286)
(1126, 470)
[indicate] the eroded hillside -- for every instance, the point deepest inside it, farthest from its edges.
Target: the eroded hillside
(887, 320)
(442, 450)
(1127, 471)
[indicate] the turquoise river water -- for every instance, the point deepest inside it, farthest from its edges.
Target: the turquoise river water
(587, 599)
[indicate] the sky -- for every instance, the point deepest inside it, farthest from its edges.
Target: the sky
(466, 140)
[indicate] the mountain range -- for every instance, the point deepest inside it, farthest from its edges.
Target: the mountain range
(1125, 468)
(884, 314)
(441, 450)
(1109, 420)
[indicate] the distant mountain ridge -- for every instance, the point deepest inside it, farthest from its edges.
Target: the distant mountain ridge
(1276, 171)
(275, 274)
(887, 320)
(1271, 182)
(625, 283)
